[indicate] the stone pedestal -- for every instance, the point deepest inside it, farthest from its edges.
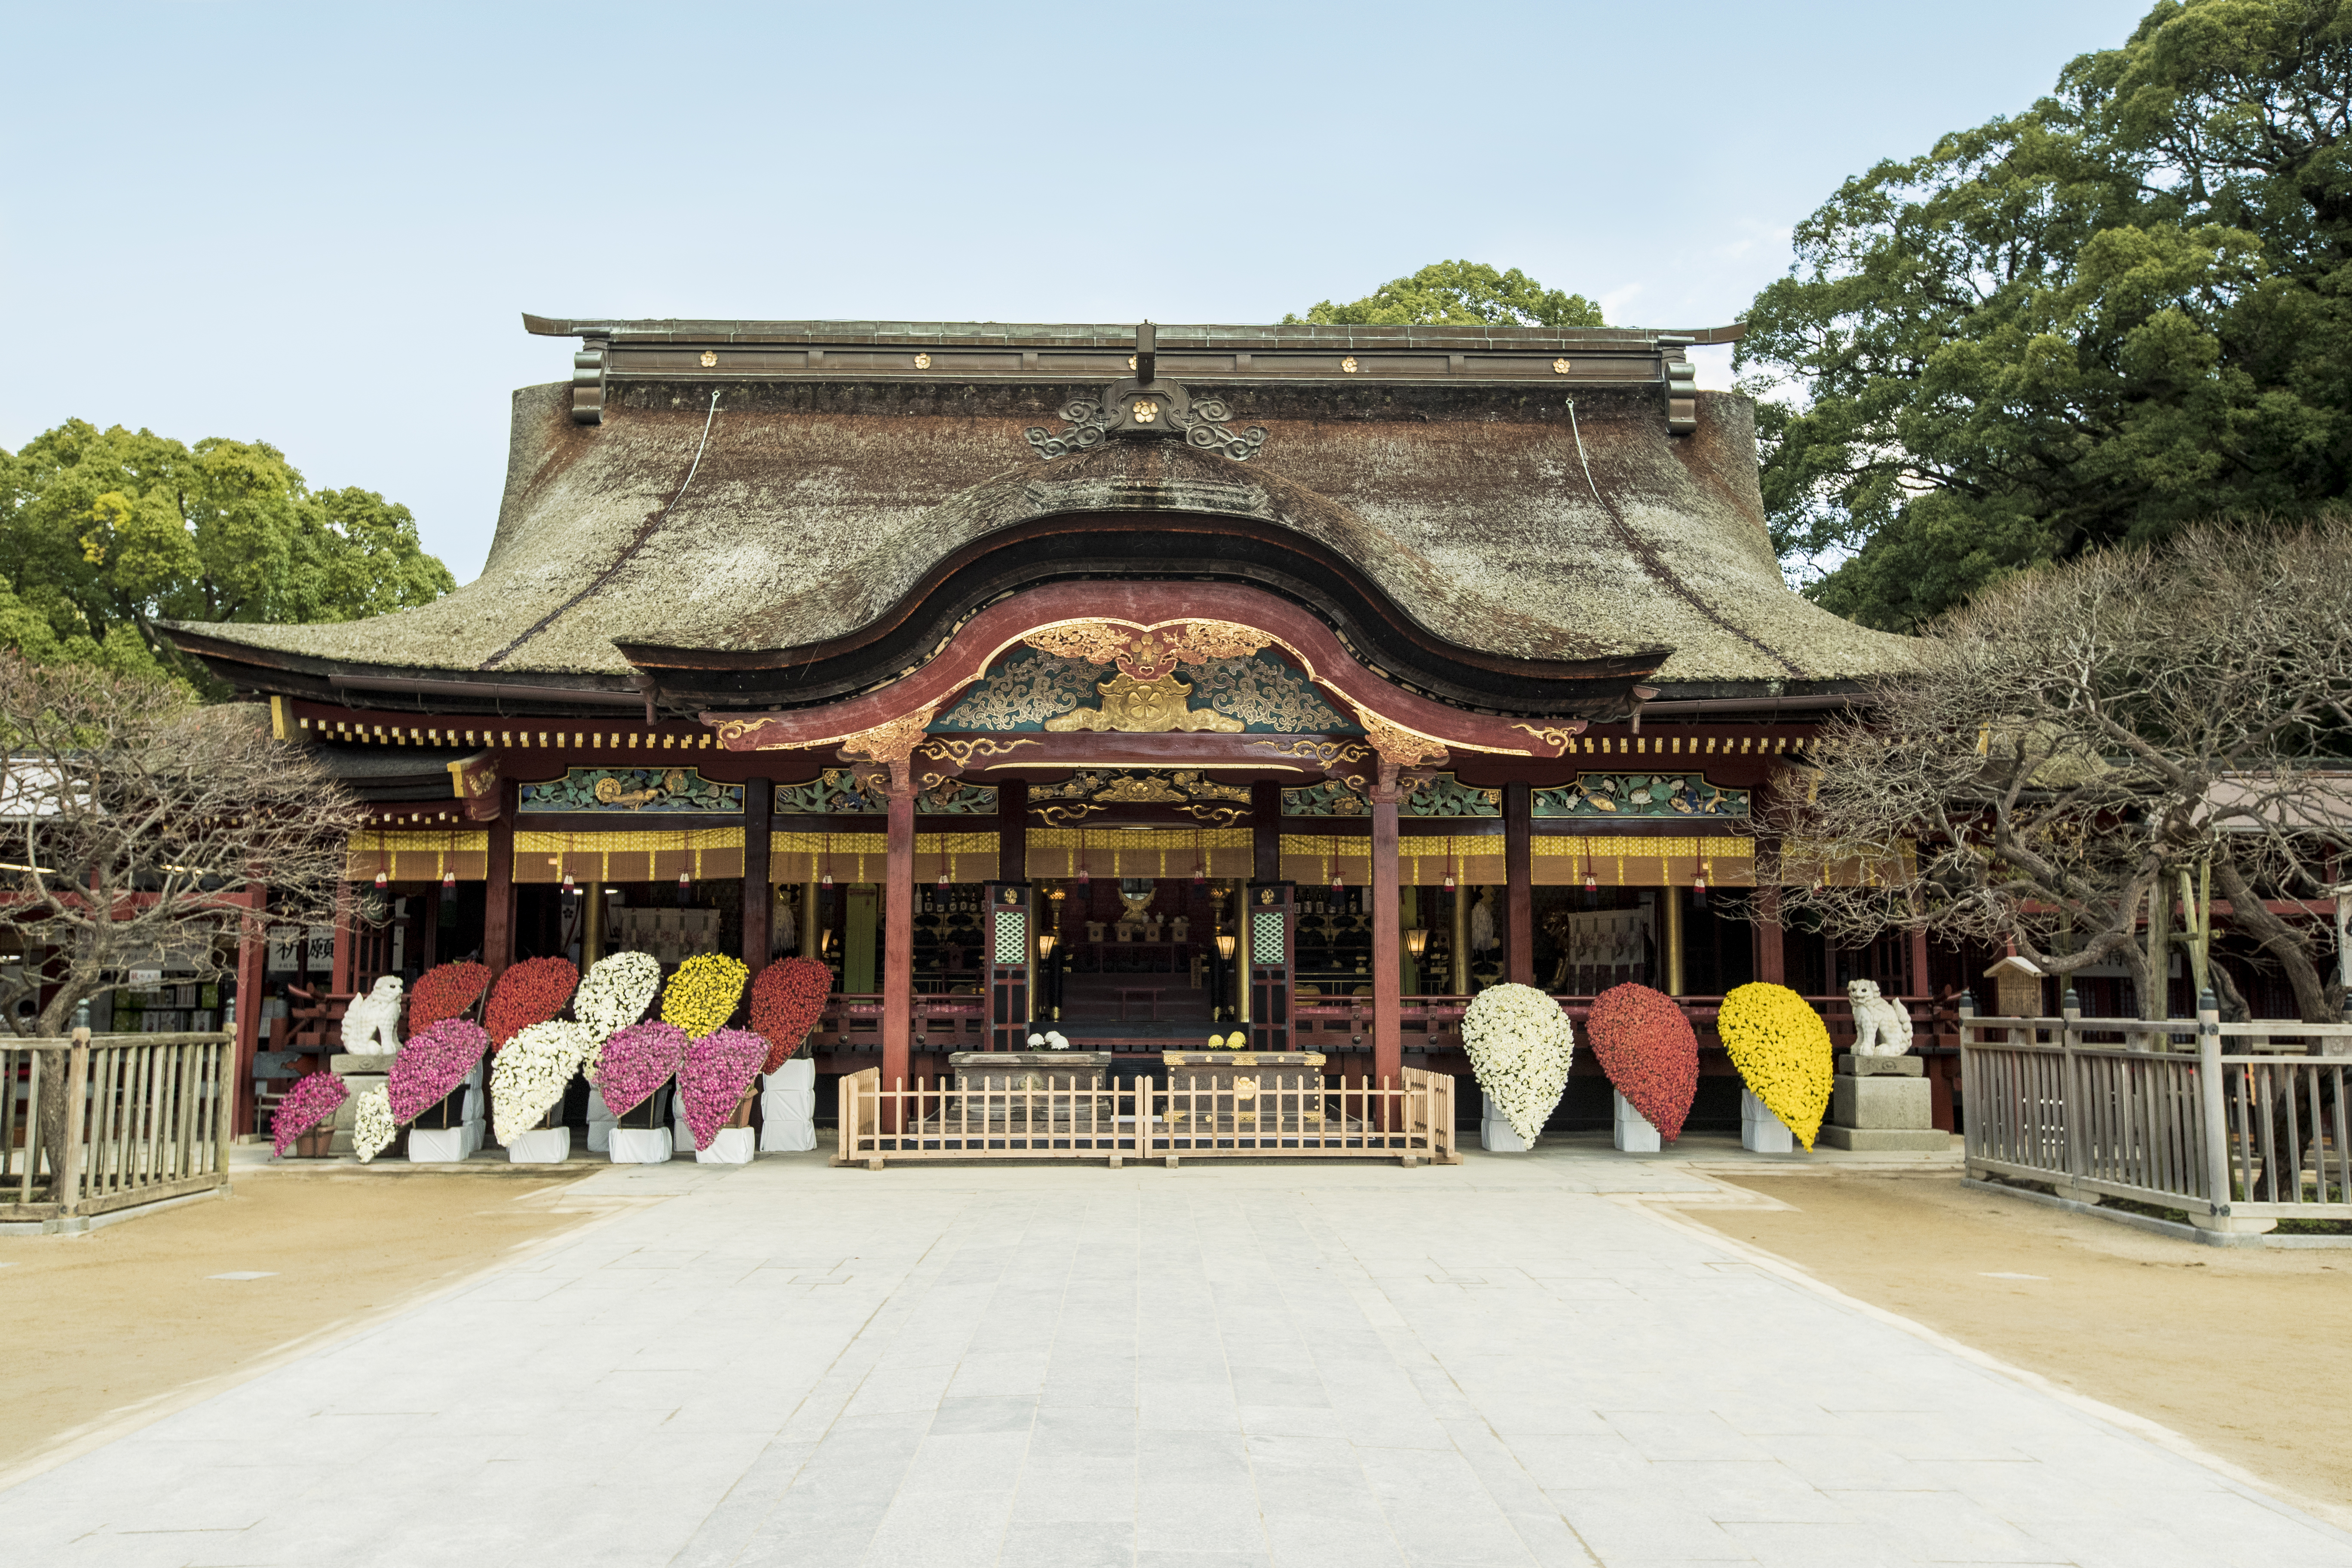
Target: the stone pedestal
(359, 1074)
(541, 1146)
(1881, 1104)
(788, 1108)
(1495, 1133)
(728, 1146)
(1635, 1135)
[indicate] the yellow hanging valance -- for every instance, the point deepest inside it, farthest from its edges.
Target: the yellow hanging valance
(1640, 860)
(1423, 860)
(701, 853)
(418, 854)
(1805, 862)
(1064, 852)
(864, 856)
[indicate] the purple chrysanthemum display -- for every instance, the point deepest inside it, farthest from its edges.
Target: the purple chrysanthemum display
(718, 1069)
(433, 1063)
(306, 1105)
(636, 1061)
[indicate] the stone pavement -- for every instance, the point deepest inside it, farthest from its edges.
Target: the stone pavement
(1493, 1363)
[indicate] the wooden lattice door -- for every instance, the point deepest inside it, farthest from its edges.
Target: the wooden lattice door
(1011, 950)
(1271, 929)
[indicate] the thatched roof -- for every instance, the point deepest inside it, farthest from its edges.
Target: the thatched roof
(820, 502)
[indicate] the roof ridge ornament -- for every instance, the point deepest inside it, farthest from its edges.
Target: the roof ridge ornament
(1145, 407)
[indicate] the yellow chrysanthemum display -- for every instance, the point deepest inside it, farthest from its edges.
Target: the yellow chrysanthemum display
(701, 997)
(1782, 1048)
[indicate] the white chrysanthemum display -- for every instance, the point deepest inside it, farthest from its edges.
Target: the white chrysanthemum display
(528, 1078)
(617, 991)
(373, 1127)
(1520, 1046)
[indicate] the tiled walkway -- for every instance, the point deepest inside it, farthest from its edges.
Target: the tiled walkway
(1494, 1363)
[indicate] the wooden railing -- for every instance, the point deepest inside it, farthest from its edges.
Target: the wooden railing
(1411, 1122)
(148, 1118)
(2163, 1112)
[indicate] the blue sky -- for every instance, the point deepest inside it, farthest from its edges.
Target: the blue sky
(318, 224)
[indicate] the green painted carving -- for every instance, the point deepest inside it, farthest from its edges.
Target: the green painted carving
(836, 792)
(642, 791)
(1023, 690)
(1625, 795)
(1268, 696)
(1446, 795)
(1330, 798)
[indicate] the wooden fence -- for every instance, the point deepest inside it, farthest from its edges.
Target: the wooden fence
(149, 1118)
(2238, 1125)
(1411, 1122)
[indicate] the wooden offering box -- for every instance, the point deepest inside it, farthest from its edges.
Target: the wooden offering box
(1028, 1091)
(1244, 1091)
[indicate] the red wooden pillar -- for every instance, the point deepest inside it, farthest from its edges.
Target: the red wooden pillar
(1388, 1043)
(759, 899)
(1921, 985)
(498, 894)
(252, 952)
(1771, 961)
(1518, 866)
(342, 978)
(898, 933)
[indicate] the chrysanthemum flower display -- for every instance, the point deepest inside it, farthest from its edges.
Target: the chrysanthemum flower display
(446, 991)
(1782, 1048)
(702, 994)
(432, 1064)
(636, 1061)
(1520, 1046)
(1646, 1047)
(373, 1127)
(528, 1078)
(617, 991)
(310, 1102)
(787, 1000)
(719, 1068)
(529, 993)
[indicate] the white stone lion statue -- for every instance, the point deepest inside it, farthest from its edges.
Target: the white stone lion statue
(373, 1018)
(1881, 1028)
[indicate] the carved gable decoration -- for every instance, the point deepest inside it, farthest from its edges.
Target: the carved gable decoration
(1627, 796)
(645, 791)
(1094, 676)
(1135, 410)
(1196, 794)
(842, 792)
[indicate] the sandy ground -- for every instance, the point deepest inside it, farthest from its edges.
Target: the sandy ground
(2242, 1351)
(130, 1315)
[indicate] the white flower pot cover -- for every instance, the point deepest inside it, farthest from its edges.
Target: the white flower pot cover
(732, 1146)
(640, 1145)
(541, 1146)
(600, 1123)
(788, 1108)
(1760, 1131)
(436, 1145)
(1634, 1133)
(1495, 1133)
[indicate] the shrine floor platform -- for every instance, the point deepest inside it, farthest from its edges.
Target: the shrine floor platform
(1517, 1360)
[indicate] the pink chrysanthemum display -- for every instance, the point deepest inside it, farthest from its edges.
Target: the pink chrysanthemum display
(636, 1061)
(432, 1064)
(309, 1103)
(718, 1069)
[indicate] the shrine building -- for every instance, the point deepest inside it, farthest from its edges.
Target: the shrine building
(1300, 681)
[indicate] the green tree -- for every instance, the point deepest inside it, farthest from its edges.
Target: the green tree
(1462, 292)
(2124, 309)
(106, 534)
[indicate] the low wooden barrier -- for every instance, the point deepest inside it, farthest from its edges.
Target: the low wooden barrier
(2165, 1113)
(148, 1118)
(1411, 1122)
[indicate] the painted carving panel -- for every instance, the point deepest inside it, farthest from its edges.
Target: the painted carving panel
(645, 791)
(1631, 796)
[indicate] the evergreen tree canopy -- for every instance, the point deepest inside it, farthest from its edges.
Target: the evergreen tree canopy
(1462, 292)
(105, 532)
(2126, 309)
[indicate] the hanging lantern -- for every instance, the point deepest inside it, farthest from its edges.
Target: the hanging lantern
(1338, 883)
(826, 880)
(1449, 881)
(1200, 874)
(568, 888)
(1591, 882)
(684, 889)
(943, 881)
(382, 881)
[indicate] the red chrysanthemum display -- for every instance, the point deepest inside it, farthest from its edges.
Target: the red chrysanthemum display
(530, 993)
(1646, 1047)
(446, 991)
(786, 1002)
(431, 1066)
